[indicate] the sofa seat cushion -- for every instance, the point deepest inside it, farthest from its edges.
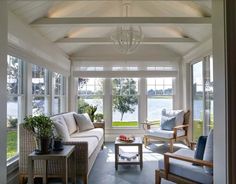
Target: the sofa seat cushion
(92, 143)
(70, 122)
(96, 132)
(157, 132)
(186, 169)
(60, 127)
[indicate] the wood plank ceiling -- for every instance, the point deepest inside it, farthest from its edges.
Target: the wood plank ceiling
(74, 26)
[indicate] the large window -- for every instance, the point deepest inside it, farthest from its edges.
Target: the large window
(202, 96)
(159, 96)
(15, 103)
(90, 97)
(125, 102)
(40, 91)
(59, 93)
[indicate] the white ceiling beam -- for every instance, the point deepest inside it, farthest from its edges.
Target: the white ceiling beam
(121, 20)
(107, 41)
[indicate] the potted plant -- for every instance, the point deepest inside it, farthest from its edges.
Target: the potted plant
(42, 129)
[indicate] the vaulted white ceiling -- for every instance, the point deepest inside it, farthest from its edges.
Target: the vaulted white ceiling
(81, 27)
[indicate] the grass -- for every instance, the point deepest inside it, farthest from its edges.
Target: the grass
(11, 143)
(198, 128)
(125, 124)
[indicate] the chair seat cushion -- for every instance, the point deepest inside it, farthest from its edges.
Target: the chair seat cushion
(186, 169)
(96, 132)
(157, 132)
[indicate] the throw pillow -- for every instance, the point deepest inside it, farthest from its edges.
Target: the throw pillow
(83, 121)
(178, 114)
(70, 122)
(208, 153)
(61, 127)
(167, 123)
(199, 152)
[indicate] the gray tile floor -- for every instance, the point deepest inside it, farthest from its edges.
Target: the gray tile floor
(103, 171)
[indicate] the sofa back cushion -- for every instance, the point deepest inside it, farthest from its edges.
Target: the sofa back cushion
(61, 127)
(178, 114)
(83, 121)
(208, 153)
(167, 123)
(70, 122)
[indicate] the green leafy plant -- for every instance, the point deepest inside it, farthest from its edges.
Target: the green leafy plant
(40, 126)
(91, 111)
(98, 117)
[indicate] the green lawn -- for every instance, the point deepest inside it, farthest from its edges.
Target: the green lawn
(198, 129)
(11, 143)
(124, 123)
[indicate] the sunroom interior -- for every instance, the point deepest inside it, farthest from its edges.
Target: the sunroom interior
(61, 58)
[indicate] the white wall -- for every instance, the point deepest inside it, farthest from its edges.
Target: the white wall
(26, 43)
(3, 77)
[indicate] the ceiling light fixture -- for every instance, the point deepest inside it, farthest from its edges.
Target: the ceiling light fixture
(127, 38)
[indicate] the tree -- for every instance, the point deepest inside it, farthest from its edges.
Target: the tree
(126, 98)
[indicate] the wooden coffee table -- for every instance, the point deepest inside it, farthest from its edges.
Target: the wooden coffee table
(138, 161)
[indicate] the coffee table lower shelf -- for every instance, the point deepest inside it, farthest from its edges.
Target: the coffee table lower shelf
(124, 161)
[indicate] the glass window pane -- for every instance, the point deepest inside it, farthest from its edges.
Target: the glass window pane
(57, 105)
(90, 97)
(39, 80)
(125, 102)
(39, 105)
(14, 75)
(159, 96)
(12, 121)
(197, 92)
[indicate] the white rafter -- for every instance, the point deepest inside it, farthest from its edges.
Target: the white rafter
(121, 20)
(107, 41)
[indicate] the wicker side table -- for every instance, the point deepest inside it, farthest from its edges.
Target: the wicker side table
(54, 155)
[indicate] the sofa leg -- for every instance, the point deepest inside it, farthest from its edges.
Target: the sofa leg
(157, 177)
(22, 179)
(85, 179)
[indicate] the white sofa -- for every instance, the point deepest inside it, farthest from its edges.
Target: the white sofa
(88, 142)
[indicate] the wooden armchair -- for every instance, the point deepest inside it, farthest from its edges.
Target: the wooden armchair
(165, 173)
(179, 132)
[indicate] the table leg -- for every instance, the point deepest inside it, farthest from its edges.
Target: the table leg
(30, 170)
(65, 175)
(116, 156)
(45, 172)
(141, 156)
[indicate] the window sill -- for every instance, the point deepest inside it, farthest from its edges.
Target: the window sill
(12, 161)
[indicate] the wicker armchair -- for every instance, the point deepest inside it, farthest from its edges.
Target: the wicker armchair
(173, 135)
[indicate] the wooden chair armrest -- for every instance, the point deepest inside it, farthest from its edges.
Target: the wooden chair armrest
(147, 125)
(181, 126)
(185, 127)
(188, 159)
